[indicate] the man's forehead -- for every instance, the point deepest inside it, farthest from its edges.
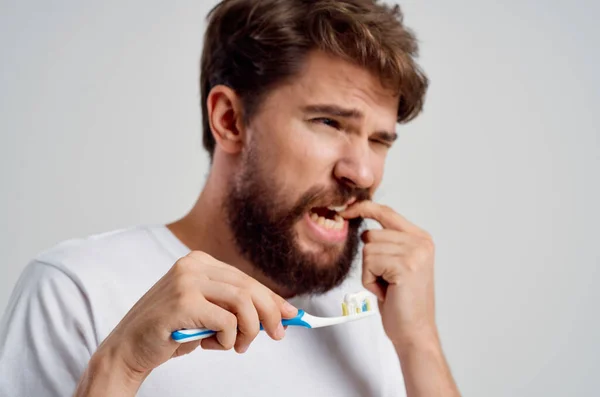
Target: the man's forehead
(324, 74)
(328, 80)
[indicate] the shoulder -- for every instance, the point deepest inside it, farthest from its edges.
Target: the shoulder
(135, 252)
(111, 270)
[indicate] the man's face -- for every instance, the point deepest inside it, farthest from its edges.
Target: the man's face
(319, 141)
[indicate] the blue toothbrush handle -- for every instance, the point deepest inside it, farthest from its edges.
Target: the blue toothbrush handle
(188, 335)
(295, 321)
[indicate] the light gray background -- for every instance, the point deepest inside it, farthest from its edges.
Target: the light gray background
(100, 129)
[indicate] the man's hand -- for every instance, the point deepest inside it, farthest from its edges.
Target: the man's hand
(197, 292)
(398, 268)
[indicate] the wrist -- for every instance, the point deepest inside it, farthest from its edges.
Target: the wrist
(108, 374)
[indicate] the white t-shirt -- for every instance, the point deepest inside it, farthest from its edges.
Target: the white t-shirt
(70, 298)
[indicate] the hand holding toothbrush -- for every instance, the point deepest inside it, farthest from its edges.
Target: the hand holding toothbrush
(198, 291)
(398, 263)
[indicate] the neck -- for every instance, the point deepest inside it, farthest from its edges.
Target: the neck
(205, 229)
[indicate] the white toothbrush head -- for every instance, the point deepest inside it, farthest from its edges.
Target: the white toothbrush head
(356, 303)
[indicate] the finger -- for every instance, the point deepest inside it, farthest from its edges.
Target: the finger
(378, 268)
(211, 344)
(384, 249)
(269, 312)
(238, 302)
(382, 236)
(220, 320)
(287, 309)
(270, 306)
(186, 348)
(387, 217)
(369, 280)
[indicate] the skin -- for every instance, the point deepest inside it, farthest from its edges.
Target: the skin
(307, 147)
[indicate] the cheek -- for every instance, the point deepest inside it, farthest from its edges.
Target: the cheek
(306, 153)
(378, 167)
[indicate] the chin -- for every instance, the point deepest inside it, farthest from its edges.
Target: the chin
(324, 255)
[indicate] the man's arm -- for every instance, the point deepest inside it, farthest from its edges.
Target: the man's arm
(197, 292)
(106, 375)
(424, 368)
(398, 269)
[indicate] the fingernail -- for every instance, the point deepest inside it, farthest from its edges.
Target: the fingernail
(243, 349)
(280, 332)
(289, 308)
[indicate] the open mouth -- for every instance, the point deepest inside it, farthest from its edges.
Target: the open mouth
(328, 217)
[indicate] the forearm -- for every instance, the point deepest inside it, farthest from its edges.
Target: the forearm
(106, 376)
(424, 367)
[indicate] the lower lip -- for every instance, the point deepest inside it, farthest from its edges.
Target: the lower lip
(328, 235)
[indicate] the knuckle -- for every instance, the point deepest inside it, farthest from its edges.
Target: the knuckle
(199, 256)
(247, 283)
(270, 314)
(278, 300)
(428, 239)
(411, 264)
(240, 296)
(274, 314)
(183, 285)
(230, 321)
(417, 258)
(253, 329)
(426, 248)
(250, 283)
(183, 265)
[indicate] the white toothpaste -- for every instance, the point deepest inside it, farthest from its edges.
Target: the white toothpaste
(356, 303)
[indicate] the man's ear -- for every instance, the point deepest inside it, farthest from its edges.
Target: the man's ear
(225, 119)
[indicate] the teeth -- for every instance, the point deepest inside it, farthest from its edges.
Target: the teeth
(335, 224)
(337, 209)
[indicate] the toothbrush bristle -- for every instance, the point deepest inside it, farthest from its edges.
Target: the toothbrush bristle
(351, 308)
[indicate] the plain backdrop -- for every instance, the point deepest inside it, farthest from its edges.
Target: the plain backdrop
(100, 129)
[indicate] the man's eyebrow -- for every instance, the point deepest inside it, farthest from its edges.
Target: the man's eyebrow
(333, 110)
(338, 111)
(389, 137)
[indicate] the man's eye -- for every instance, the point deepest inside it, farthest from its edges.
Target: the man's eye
(381, 143)
(328, 122)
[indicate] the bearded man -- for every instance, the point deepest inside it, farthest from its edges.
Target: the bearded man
(300, 101)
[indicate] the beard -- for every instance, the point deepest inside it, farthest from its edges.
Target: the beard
(262, 222)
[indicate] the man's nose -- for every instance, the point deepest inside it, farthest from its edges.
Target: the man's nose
(355, 168)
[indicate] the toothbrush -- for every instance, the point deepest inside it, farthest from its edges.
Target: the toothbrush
(355, 307)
